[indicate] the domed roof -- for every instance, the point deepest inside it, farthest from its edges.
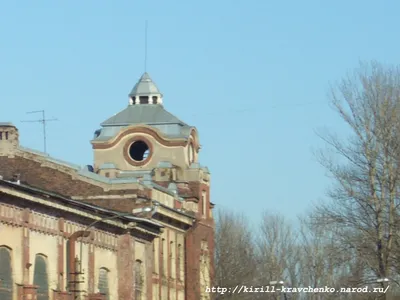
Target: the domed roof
(144, 87)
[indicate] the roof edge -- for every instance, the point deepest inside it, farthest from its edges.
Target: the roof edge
(90, 207)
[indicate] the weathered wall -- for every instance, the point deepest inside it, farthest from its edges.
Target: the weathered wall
(35, 171)
(42, 233)
(169, 265)
(118, 153)
(175, 271)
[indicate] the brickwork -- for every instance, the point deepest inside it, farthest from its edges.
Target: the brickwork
(194, 237)
(126, 258)
(13, 216)
(29, 292)
(62, 295)
(36, 171)
(122, 205)
(203, 230)
(149, 270)
(57, 181)
(97, 297)
(32, 173)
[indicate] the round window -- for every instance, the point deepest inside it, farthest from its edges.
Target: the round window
(139, 151)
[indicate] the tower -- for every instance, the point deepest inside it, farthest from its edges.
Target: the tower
(143, 136)
(146, 142)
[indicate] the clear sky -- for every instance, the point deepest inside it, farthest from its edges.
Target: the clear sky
(252, 76)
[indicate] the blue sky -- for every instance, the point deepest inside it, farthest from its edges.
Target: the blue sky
(252, 76)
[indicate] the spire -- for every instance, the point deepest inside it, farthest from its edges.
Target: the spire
(145, 92)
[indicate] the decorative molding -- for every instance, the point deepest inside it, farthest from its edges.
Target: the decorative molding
(128, 157)
(156, 134)
(54, 205)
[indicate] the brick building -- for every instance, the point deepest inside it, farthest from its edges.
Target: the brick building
(136, 224)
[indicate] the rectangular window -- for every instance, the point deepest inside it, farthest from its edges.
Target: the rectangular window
(6, 135)
(204, 203)
(1, 135)
(144, 99)
(139, 279)
(103, 285)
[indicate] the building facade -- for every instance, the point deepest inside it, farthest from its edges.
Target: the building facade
(136, 224)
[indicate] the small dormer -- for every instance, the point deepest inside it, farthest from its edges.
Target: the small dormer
(145, 92)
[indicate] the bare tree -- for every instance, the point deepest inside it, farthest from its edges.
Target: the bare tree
(362, 214)
(235, 263)
(320, 262)
(277, 252)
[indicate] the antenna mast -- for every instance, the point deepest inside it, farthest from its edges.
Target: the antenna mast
(145, 47)
(44, 121)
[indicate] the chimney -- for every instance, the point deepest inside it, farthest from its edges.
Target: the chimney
(9, 139)
(16, 178)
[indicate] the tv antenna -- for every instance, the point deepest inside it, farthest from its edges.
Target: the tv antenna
(145, 46)
(44, 121)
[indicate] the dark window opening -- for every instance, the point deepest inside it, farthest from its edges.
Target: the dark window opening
(154, 99)
(139, 279)
(1, 135)
(107, 174)
(103, 283)
(6, 135)
(144, 99)
(139, 151)
(6, 280)
(97, 133)
(40, 278)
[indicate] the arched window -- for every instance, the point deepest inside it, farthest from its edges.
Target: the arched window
(103, 282)
(40, 277)
(139, 279)
(6, 281)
